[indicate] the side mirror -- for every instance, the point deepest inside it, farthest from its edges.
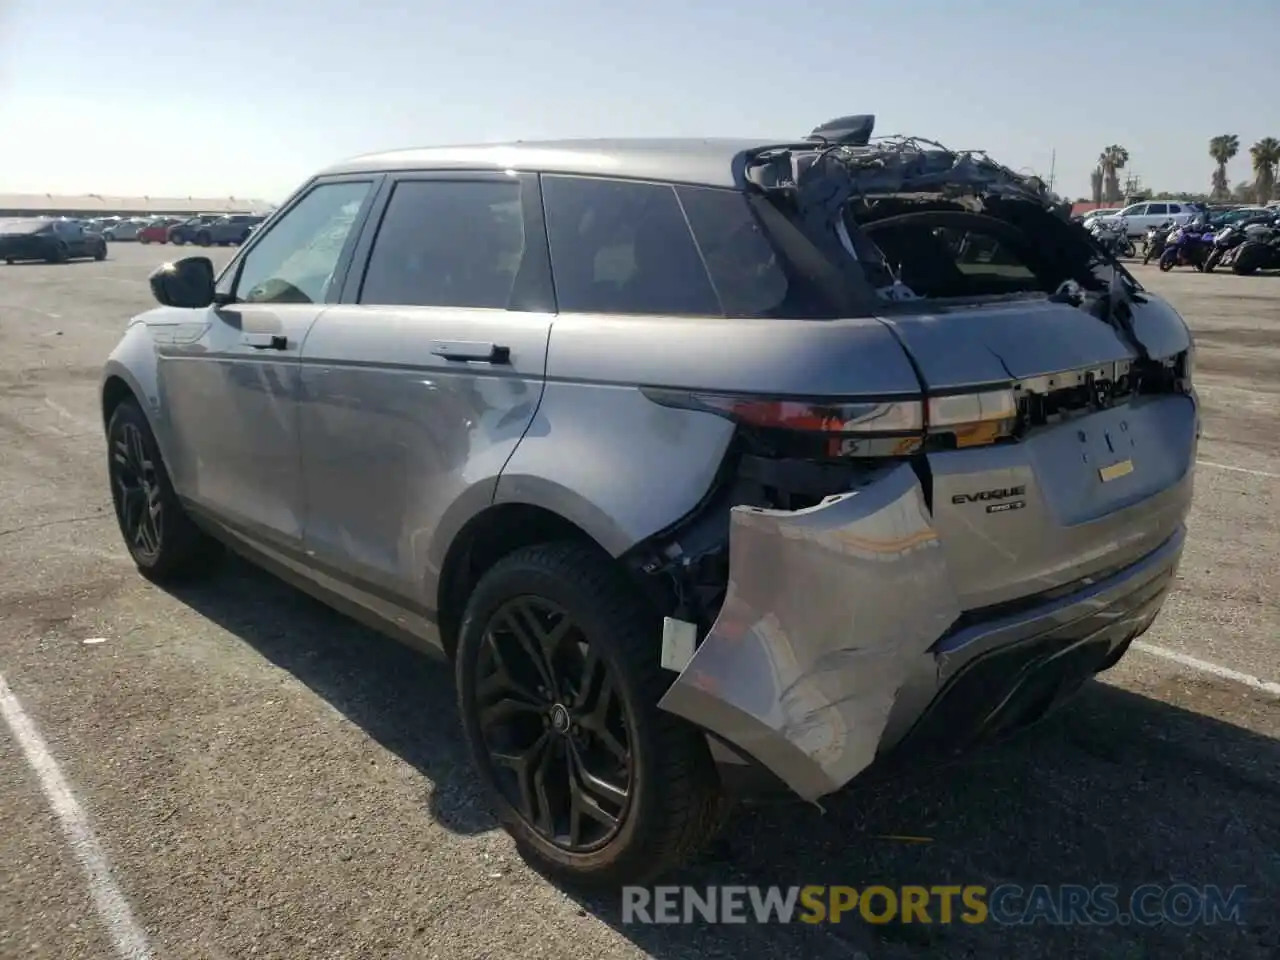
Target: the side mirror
(186, 283)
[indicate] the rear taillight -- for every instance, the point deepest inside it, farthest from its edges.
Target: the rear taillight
(879, 427)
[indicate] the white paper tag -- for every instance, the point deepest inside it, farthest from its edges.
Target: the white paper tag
(679, 637)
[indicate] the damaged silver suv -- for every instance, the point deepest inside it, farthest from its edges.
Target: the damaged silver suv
(710, 465)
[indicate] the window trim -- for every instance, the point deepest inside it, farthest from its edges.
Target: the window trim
(532, 291)
(376, 183)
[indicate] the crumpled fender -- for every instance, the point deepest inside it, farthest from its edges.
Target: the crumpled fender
(829, 610)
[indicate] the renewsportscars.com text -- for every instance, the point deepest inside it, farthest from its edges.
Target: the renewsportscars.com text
(1179, 904)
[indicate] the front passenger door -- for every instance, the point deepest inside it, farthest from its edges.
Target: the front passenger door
(230, 384)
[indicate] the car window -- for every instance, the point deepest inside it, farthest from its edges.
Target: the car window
(623, 247)
(1157, 209)
(939, 262)
(293, 262)
(1137, 210)
(744, 268)
(1175, 208)
(447, 243)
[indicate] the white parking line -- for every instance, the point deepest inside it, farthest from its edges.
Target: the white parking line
(1224, 466)
(127, 937)
(1204, 666)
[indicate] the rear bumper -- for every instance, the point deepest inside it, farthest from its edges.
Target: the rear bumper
(841, 643)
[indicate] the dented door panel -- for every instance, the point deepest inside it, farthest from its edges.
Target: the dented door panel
(828, 611)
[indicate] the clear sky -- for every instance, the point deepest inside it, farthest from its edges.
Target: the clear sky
(248, 97)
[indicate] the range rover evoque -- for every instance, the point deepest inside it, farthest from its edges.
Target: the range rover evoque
(711, 465)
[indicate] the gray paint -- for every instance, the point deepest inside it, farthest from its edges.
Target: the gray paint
(705, 162)
(828, 609)
(354, 457)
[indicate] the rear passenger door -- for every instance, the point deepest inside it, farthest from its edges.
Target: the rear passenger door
(419, 384)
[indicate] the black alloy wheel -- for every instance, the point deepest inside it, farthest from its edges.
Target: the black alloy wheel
(553, 730)
(559, 681)
(161, 538)
(136, 492)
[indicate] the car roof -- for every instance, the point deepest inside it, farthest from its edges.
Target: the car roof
(705, 162)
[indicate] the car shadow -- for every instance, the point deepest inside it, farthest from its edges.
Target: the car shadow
(1116, 788)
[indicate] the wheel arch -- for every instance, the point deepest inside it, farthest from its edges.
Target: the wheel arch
(495, 532)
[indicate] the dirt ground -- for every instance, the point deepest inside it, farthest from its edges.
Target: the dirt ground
(266, 778)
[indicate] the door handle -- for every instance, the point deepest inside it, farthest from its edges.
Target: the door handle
(463, 350)
(267, 341)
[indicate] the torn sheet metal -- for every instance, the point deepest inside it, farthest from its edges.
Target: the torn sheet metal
(828, 611)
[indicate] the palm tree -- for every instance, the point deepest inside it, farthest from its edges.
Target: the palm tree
(1266, 154)
(1222, 149)
(1111, 161)
(1095, 184)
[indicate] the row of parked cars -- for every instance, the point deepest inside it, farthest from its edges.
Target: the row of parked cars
(205, 229)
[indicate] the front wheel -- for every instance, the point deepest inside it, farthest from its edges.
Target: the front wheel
(60, 253)
(558, 687)
(1166, 264)
(161, 538)
(100, 252)
(203, 239)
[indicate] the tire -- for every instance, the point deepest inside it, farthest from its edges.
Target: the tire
(1250, 258)
(178, 241)
(60, 253)
(171, 548)
(9, 261)
(100, 252)
(203, 239)
(1214, 258)
(143, 240)
(1166, 264)
(673, 799)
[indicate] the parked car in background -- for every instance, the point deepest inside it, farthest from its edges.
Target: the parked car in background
(157, 231)
(1100, 212)
(125, 229)
(54, 241)
(1239, 215)
(224, 231)
(185, 231)
(1138, 217)
(691, 470)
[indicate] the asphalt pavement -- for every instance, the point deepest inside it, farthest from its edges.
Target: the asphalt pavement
(256, 776)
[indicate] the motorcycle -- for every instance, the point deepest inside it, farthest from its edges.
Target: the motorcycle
(1154, 242)
(1113, 237)
(1258, 253)
(1187, 246)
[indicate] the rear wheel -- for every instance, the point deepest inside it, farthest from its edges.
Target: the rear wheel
(203, 238)
(1250, 258)
(100, 252)
(178, 241)
(161, 538)
(558, 686)
(60, 253)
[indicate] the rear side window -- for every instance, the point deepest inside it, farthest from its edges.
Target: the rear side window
(447, 243)
(744, 268)
(1157, 209)
(623, 247)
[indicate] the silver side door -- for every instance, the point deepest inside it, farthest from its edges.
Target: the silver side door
(419, 385)
(229, 378)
